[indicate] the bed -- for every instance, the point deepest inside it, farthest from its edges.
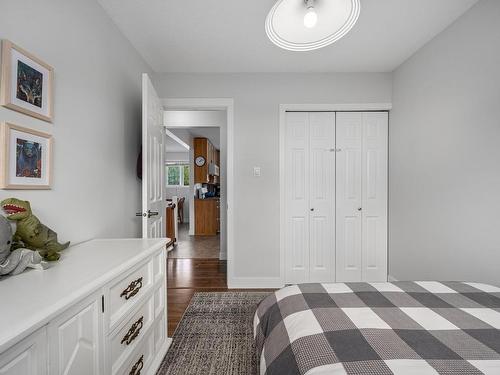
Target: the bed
(400, 328)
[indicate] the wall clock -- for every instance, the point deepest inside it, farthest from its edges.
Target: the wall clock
(200, 161)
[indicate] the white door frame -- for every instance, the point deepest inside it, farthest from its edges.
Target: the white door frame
(283, 108)
(227, 104)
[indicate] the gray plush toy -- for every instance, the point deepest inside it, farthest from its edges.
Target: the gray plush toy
(15, 262)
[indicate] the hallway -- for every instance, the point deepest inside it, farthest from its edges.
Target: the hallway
(204, 247)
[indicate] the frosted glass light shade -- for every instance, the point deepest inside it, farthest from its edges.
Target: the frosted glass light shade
(285, 23)
(310, 19)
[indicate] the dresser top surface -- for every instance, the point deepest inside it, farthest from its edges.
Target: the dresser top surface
(31, 299)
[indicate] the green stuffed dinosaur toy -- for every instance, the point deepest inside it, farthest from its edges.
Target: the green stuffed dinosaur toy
(33, 234)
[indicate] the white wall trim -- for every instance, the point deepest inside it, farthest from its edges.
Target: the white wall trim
(391, 279)
(335, 107)
(283, 108)
(176, 119)
(226, 104)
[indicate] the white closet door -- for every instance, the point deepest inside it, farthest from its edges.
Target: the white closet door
(297, 197)
(374, 193)
(349, 202)
(322, 197)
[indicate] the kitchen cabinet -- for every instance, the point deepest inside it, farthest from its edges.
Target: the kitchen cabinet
(200, 146)
(207, 216)
(204, 148)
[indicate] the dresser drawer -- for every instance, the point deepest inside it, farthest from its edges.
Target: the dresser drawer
(126, 291)
(128, 335)
(140, 360)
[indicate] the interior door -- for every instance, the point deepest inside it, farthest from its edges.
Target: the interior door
(153, 163)
(374, 176)
(349, 203)
(322, 197)
(297, 197)
(310, 197)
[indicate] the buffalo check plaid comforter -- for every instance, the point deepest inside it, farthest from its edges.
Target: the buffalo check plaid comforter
(400, 328)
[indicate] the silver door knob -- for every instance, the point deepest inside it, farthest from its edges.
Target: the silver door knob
(152, 213)
(147, 214)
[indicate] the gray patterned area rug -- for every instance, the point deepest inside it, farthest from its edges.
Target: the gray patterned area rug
(215, 336)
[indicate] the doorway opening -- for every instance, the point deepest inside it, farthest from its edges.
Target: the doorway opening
(195, 186)
(193, 183)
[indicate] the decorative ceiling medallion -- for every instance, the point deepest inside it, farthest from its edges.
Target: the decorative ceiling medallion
(298, 25)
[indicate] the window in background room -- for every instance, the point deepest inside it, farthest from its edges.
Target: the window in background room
(185, 179)
(177, 175)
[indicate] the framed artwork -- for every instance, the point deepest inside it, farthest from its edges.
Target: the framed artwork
(26, 159)
(27, 83)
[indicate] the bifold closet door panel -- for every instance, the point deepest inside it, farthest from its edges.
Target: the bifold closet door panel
(322, 197)
(349, 133)
(297, 197)
(374, 194)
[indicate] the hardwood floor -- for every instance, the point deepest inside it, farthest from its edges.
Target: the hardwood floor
(193, 266)
(188, 276)
(195, 246)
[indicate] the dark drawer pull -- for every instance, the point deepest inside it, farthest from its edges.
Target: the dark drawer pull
(136, 370)
(133, 332)
(132, 289)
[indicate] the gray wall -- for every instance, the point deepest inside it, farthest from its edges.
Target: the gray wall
(97, 127)
(177, 156)
(445, 155)
(444, 138)
(256, 110)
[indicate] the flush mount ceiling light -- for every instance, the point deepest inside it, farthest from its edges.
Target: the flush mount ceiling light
(306, 25)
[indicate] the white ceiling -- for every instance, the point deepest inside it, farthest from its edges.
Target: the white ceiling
(212, 133)
(216, 36)
(171, 145)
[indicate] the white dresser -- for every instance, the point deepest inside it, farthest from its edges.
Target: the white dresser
(100, 310)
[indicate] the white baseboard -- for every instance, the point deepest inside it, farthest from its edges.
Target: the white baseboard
(266, 282)
(255, 283)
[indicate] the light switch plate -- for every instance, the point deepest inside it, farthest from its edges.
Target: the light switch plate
(256, 171)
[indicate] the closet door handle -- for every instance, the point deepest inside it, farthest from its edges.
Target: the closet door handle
(312, 209)
(360, 208)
